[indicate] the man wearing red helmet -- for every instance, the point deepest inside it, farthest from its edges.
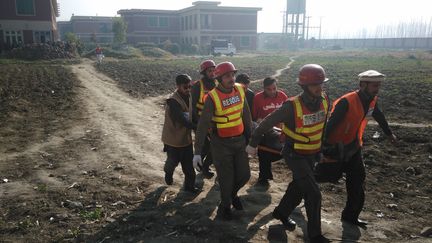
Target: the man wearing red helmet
(347, 122)
(303, 117)
(199, 92)
(227, 113)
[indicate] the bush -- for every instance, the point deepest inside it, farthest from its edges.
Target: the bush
(154, 52)
(145, 44)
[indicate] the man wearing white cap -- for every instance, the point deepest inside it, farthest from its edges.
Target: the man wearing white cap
(347, 122)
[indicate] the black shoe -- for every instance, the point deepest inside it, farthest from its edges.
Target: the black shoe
(237, 204)
(287, 222)
(358, 222)
(193, 190)
(224, 213)
(168, 179)
(207, 173)
(319, 239)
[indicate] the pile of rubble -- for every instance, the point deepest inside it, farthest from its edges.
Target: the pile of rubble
(44, 51)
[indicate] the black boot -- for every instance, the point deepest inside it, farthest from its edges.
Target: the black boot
(224, 213)
(237, 204)
(168, 178)
(355, 221)
(287, 222)
(206, 172)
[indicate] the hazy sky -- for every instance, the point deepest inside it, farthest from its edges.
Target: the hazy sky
(338, 16)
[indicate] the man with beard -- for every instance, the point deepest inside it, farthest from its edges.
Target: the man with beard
(176, 134)
(265, 102)
(303, 117)
(199, 93)
(227, 113)
(347, 122)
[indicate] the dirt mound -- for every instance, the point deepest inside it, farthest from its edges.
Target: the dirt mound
(43, 51)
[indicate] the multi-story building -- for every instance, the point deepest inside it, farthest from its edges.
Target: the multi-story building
(88, 28)
(28, 21)
(198, 24)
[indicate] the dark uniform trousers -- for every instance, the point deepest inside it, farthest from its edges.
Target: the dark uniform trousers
(269, 140)
(355, 178)
(265, 159)
(232, 165)
(184, 156)
(206, 154)
(303, 186)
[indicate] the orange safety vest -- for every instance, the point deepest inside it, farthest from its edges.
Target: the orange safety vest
(354, 122)
(228, 111)
(309, 126)
(202, 97)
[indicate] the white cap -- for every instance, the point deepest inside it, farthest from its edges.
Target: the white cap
(371, 76)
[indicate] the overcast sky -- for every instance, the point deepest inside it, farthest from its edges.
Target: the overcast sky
(338, 16)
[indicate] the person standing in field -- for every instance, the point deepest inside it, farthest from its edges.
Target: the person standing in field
(176, 134)
(226, 112)
(199, 93)
(265, 102)
(303, 117)
(345, 127)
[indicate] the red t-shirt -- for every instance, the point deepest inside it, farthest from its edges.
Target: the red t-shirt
(263, 105)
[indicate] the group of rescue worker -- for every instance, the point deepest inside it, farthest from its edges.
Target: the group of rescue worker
(232, 124)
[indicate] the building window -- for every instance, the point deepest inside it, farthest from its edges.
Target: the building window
(13, 38)
(104, 28)
(152, 21)
(205, 21)
(25, 7)
(195, 21)
(163, 21)
(42, 36)
(245, 41)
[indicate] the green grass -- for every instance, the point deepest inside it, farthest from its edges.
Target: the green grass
(92, 215)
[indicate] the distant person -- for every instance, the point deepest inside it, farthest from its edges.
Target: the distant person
(347, 122)
(265, 102)
(244, 79)
(176, 134)
(99, 54)
(199, 92)
(303, 117)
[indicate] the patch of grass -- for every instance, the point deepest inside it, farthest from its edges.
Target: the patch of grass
(92, 215)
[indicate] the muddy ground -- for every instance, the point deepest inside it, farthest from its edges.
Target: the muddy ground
(86, 166)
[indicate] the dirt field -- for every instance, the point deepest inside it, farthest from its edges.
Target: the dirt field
(81, 161)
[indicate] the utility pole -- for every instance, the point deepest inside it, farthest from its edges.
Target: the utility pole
(321, 17)
(307, 27)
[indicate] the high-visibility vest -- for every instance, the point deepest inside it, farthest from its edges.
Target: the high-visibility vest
(309, 126)
(354, 122)
(202, 96)
(228, 111)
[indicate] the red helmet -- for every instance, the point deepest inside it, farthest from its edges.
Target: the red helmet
(206, 64)
(311, 74)
(224, 67)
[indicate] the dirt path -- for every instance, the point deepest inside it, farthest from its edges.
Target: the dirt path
(277, 72)
(131, 127)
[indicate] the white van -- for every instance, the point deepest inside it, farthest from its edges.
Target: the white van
(219, 47)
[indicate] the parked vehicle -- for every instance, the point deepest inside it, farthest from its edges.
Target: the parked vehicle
(219, 47)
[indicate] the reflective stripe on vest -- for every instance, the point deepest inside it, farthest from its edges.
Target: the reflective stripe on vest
(354, 122)
(201, 99)
(228, 111)
(309, 127)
